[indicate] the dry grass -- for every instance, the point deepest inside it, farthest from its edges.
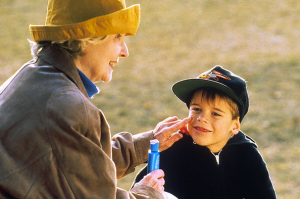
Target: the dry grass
(258, 40)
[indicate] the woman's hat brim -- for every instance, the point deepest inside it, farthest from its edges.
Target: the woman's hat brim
(185, 88)
(125, 21)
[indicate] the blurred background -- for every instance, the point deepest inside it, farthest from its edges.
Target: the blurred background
(258, 40)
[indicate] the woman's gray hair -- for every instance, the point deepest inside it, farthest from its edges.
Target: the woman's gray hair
(72, 48)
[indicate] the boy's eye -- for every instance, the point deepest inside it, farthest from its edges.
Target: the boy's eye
(118, 35)
(215, 114)
(196, 109)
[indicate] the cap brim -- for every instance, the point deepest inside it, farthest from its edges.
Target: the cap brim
(185, 88)
(123, 21)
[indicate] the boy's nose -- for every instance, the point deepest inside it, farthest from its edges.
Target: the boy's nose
(202, 118)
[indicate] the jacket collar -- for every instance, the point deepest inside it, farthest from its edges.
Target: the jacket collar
(241, 138)
(54, 56)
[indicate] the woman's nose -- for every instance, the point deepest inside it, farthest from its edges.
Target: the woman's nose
(124, 51)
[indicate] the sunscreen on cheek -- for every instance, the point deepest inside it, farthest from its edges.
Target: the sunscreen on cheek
(184, 130)
(153, 156)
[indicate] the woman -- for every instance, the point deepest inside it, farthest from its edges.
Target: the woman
(54, 142)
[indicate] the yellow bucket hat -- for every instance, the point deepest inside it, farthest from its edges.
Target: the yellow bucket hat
(79, 19)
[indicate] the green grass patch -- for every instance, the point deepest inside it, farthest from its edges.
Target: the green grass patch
(258, 40)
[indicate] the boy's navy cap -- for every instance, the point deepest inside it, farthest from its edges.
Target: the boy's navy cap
(217, 78)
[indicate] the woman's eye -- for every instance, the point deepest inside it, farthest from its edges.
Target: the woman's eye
(118, 35)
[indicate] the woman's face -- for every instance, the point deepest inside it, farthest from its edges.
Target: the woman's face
(99, 60)
(212, 124)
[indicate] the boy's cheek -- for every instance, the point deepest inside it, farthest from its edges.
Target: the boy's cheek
(190, 114)
(189, 127)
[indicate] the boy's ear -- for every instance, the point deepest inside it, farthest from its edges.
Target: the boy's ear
(236, 126)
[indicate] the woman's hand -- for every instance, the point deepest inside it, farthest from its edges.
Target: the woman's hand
(154, 179)
(166, 131)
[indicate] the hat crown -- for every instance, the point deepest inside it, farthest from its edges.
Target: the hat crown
(80, 19)
(235, 83)
(76, 11)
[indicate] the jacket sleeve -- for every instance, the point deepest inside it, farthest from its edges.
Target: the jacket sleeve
(130, 151)
(259, 183)
(82, 149)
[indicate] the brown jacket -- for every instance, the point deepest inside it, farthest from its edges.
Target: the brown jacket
(54, 143)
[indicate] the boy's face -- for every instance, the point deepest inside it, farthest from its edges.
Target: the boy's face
(212, 124)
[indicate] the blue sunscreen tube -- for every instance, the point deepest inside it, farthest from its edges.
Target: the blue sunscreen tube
(153, 156)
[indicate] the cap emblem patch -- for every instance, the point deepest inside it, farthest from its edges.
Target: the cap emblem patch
(214, 75)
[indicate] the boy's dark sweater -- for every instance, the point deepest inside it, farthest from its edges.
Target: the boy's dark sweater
(192, 172)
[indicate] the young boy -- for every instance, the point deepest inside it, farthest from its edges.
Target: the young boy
(214, 159)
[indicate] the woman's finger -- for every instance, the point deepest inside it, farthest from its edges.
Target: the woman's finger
(176, 126)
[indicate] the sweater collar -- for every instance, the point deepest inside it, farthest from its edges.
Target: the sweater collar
(90, 87)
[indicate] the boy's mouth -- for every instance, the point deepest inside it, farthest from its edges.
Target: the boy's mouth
(201, 129)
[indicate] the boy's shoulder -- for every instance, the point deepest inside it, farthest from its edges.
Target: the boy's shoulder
(241, 139)
(242, 148)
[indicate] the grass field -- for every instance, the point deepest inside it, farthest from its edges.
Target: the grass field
(258, 40)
